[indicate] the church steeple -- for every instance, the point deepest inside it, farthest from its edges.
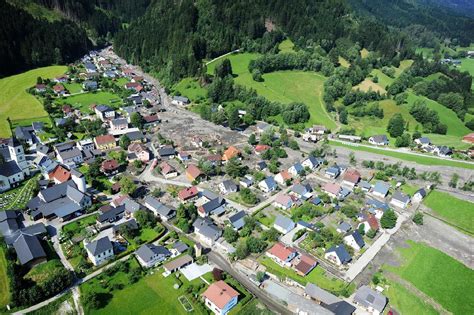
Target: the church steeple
(18, 154)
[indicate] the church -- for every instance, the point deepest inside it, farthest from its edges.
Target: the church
(15, 168)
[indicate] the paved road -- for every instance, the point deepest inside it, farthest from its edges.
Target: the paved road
(372, 251)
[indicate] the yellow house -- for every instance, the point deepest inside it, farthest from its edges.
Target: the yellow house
(105, 142)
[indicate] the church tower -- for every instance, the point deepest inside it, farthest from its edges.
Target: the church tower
(18, 154)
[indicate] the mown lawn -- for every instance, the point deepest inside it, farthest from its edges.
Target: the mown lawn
(73, 87)
(317, 276)
(406, 302)
(4, 281)
(151, 294)
(454, 210)
(425, 160)
(467, 64)
(286, 46)
(439, 276)
(284, 86)
(190, 88)
(77, 226)
(16, 102)
(83, 101)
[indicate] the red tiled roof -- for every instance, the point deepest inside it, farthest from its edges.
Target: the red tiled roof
(188, 193)
(214, 158)
(105, 139)
(281, 251)
(60, 174)
(193, 171)
(109, 165)
(230, 153)
(151, 118)
(58, 88)
(261, 147)
(469, 137)
(285, 175)
(166, 168)
(373, 223)
(119, 200)
(352, 176)
(306, 264)
(332, 188)
(220, 293)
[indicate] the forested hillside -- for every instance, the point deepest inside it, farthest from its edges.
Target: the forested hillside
(173, 36)
(405, 13)
(26, 42)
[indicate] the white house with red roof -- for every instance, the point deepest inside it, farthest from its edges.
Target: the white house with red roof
(281, 254)
(220, 297)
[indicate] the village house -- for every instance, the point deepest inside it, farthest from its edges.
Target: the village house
(419, 195)
(283, 224)
(355, 240)
(400, 200)
(238, 220)
(302, 192)
(104, 112)
(40, 88)
(318, 129)
(282, 254)
(260, 148)
(193, 172)
(304, 265)
(61, 79)
(15, 167)
(332, 189)
(105, 142)
(188, 193)
(268, 185)
(215, 206)
(29, 250)
(296, 169)
(135, 86)
(160, 210)
(371, 300)
(71, 157)
(178, 248)
(246, 181)
(228, 186)
(422, 142)
(351, 178)
(381, 189)
(184, 156)
(343, 227)
(177, 264)
(167, 170)
(370, 223)
(167, 152)
(59, 90)
(180, 101)
(311, 162)
(378, 140)
(282, 177)
(99, 251)
(151, 120)
(220, 297)
(231, 152)
(59, 175)
(109, 167)
(118, 123)
(338, 255)
(332, 172)
(149, 255)
(140, 151)
(328, 300)
(207, 231)
(283, 202)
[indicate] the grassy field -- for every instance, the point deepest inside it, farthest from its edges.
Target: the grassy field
(456, 211)
(317, 276)
(16, 103)
(367, 85)
(73, 87)
(407, 303)
(286, 46)
(384, 80)
(146, 294)
(4, 282)
(83, 101)
(191, 89)
(425, 160)
(439, 276)
(284, 86)
(467, 64)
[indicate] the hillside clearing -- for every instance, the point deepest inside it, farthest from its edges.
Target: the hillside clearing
(16, 102)
(367, 85)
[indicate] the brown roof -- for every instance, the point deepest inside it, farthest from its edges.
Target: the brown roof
(220, 293)
(214, 157)
(285, 175)
(166, 168)
(306, 264)
(136, 147)
(193, 171)
(352, 176)
(67, 109)
(261, 147)
(60, 174)
(469, 138)
(109, 165)
(151, 118)
(332, 188)
(230, 153)
(373, 223)
(281, 251)
(178, 262)
(187, 193)
(105, 139)
(58, 88)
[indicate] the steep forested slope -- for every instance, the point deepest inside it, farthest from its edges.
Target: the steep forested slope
(403, 13)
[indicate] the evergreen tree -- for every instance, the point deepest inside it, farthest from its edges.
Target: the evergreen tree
(396, 125)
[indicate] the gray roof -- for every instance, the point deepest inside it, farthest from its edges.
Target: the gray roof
(300, 189)
(421, 191)
(112, 215)
(103, 108)
(382, 188)
(70, 153)
(401, 197)
(135, 135)
(207, 228)
(424, 140)
(27, 248)
(238, 220)
(341, 308)
(181, 99)
(130, 205)
(319, 294)
(155, 205)
(344, 227)
(341, 252)
(229, 185)
(364, 184)
(270, 181)
(166, 151)
(9, 168)
(180, 247)
(367, 297)
(213, 204)
(23, 133)
(148, 251)
(131, 224)
(99, 246)
(284, 222)
(380, 139)
(119, 121)
(209, 194)
(358, 238)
